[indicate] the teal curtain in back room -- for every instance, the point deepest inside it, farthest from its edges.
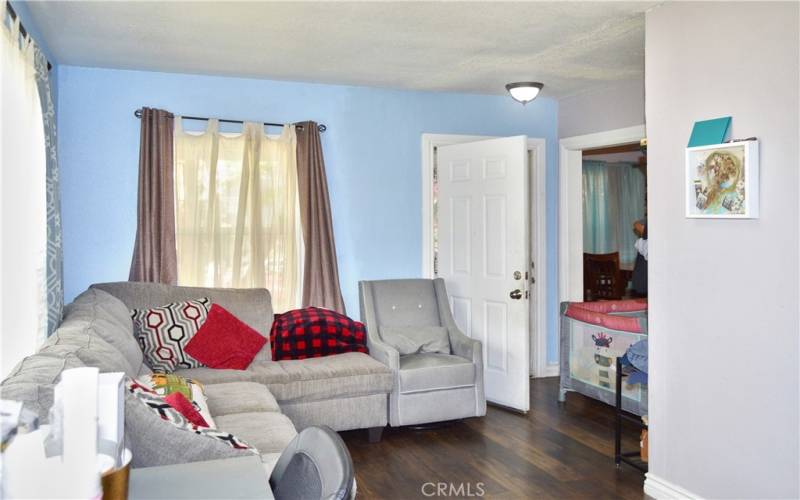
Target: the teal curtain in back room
(613, 199)
(599, 234)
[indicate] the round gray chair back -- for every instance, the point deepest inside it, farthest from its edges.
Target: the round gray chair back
(315, 465)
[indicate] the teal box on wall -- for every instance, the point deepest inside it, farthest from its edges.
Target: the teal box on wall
(709, 132)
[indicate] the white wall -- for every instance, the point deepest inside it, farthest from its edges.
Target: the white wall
(723, 293)
(617, 106)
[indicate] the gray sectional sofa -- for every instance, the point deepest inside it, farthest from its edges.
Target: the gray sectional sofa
(264, 405)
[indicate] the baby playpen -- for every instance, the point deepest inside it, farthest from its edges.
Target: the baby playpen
(593, 336)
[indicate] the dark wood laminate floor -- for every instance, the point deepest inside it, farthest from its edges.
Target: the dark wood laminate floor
(555, 451)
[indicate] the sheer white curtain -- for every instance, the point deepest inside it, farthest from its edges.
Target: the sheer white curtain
(23, 218)
(236, 207)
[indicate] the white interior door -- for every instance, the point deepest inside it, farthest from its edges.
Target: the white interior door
(483, 244)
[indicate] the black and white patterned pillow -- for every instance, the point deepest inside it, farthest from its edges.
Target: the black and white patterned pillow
(163, 332)
(156, 403)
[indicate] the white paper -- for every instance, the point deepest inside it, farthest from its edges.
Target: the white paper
(79, 400)
(111, 415)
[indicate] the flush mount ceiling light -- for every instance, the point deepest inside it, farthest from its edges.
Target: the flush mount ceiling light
(524, 92)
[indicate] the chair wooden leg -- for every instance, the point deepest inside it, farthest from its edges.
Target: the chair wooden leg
(375, 434)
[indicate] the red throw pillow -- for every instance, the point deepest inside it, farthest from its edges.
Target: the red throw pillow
(225, 341)
(185, 407)
(314, 332)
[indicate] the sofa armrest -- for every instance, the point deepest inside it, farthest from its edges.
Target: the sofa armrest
(465, 347)
(384, 353)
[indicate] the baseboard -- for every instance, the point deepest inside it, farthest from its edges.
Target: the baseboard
(551, 370)
(661, 489)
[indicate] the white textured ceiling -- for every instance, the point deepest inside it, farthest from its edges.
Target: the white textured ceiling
(441, 46)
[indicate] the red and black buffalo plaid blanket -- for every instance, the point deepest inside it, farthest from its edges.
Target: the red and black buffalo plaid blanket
(313, 332)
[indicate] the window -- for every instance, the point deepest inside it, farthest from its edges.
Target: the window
(237, 214)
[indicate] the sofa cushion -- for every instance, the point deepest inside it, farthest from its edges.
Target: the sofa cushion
(341, 375)
(269, 432)
(263, 372)
(239, 397)
(429, 372)
(164, 332)
(251, 305)
(78, 338)
(109, 318)
(314, 379)
(415, 339)
(32, 380)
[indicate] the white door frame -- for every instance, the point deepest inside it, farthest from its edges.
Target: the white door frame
(538, 245)
(570, 204)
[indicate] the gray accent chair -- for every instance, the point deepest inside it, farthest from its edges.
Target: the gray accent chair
(428, 387)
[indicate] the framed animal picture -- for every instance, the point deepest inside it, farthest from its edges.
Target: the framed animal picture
(722, 181)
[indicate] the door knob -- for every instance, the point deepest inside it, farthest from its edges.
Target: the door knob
(516, 294)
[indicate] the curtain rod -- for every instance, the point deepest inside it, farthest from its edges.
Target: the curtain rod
(22, 30)
(321, 127)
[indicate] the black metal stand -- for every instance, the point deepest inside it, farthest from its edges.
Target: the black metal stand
(629, 457)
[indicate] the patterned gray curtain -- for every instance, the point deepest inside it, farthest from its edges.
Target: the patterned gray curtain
(55, 255)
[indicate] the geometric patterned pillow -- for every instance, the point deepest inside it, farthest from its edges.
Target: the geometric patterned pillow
(157, 404)
(164, 331)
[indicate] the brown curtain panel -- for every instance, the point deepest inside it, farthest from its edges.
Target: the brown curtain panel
(320, 270)
(154, 255)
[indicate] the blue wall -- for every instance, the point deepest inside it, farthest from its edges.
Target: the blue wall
(372, 152)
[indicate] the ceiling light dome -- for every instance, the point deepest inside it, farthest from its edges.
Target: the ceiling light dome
(524, 92)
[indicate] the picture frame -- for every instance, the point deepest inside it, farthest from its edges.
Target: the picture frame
(722, 181)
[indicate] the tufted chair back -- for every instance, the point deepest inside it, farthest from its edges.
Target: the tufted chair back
(409, 302)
